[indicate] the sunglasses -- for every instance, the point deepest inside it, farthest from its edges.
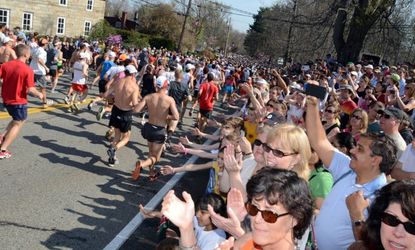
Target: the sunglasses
(386, 116)
(356, 117)
(268, 216)
(329, 111)
(276, 152)
(393, 221)
(258, 143)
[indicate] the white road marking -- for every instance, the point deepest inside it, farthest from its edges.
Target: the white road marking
(126, 232)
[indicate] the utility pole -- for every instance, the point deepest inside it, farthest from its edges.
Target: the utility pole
(290, 30)
(179, 46)
(227, 36)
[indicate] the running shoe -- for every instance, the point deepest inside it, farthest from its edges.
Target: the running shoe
(190, 112)
(100, 113)
(48, 103)
(137, 171)
(112, 160)
(4, 154)
(90, 105)
(67, 99)
(83, 96)
(76, 106)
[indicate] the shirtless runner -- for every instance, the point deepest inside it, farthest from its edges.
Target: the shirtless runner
(126, 96)
(161, 109)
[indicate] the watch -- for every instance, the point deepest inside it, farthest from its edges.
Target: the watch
(358, 223)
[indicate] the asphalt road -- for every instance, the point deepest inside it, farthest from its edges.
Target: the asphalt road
(57, 191)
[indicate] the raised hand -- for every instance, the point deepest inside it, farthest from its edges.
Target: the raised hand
(227, 244)
(235, 202)
(184, 140)
(229, 160)
(230, 224)
(179, 212)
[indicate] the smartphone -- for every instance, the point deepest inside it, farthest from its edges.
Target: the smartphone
(316, 91)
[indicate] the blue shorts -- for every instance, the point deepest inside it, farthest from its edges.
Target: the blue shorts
(17, 112)
(228, 89)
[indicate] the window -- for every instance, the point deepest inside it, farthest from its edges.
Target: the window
(60, 28)
(63, 2)
(4, 16)
(87, 28)
(27, 21)
(89, 5)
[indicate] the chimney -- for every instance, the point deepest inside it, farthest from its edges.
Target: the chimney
(124, 19)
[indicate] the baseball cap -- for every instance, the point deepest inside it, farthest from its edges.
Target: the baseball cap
(260, 81)
(112, 54)
(123, 57)
(131, 69)
(83, 55)
(346, 86)
(353, 73)
(395, 112)
(273, 119)
(86, 44)
(7, 39)
(162, 82)
(369, 66)
(395, 77)
(189, 66)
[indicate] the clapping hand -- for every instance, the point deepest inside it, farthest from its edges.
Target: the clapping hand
(229, 160)
(180, 213)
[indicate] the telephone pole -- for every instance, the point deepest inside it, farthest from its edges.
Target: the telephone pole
(179, 46)
(227, 37)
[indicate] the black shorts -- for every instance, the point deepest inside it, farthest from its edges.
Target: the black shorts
(196, 94)
(153, 133)
(101, 85)
(121, 119)
(53, 72)
(41, 81)
(205, 113)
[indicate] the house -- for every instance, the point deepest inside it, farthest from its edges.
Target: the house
(68, 18)
(121, 22)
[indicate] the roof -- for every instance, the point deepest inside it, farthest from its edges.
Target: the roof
(117, 23)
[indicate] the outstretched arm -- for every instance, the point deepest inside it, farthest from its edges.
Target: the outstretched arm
(316, 133)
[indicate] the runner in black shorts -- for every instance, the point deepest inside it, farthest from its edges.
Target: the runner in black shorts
(206, 113)
(121, 119)
(153, 133)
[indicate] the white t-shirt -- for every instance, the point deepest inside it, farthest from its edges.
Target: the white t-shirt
(38, 53)
(408, 159)
(78, 74)
(208, 240)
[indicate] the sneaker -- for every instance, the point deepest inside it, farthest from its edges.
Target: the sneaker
(112, 162)
(90, 105)
(100, 113)
(4, 154)
(53, 91)
(76, 106)
(190, 112)
(111, 155)
(107, 115)
(48, 103)
(67, 99)
(83, 96)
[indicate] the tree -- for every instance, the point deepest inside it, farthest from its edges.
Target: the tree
(365, 14)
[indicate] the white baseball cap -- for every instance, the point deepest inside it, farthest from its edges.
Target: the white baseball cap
(162, 82)
(131, 69)
(83, 55)
(112, 54)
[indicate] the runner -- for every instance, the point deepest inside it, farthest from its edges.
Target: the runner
(52, 63)
(126, 96)
(38, 64)
(79, 86)
(18, 80)
(208, 93)
(161, 108)
(6, 51)
(187, 80)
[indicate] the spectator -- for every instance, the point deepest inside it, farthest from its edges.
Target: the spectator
(389, 123)
(356, 177)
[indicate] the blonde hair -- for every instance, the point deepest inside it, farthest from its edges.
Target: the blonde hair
(297, 139)
(364, 121)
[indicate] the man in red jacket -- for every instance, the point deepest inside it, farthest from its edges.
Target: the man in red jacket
(18, 80)
(208, 93)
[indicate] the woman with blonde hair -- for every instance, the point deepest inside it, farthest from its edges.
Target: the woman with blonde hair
(287, 147)
(358, 123)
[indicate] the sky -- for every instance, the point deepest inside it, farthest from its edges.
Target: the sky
(240, 23)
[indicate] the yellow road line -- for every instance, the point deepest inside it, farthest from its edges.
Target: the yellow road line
(33, 110)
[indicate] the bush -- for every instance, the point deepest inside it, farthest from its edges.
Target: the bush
(137, 40)
(101, 30)
(159, 42)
